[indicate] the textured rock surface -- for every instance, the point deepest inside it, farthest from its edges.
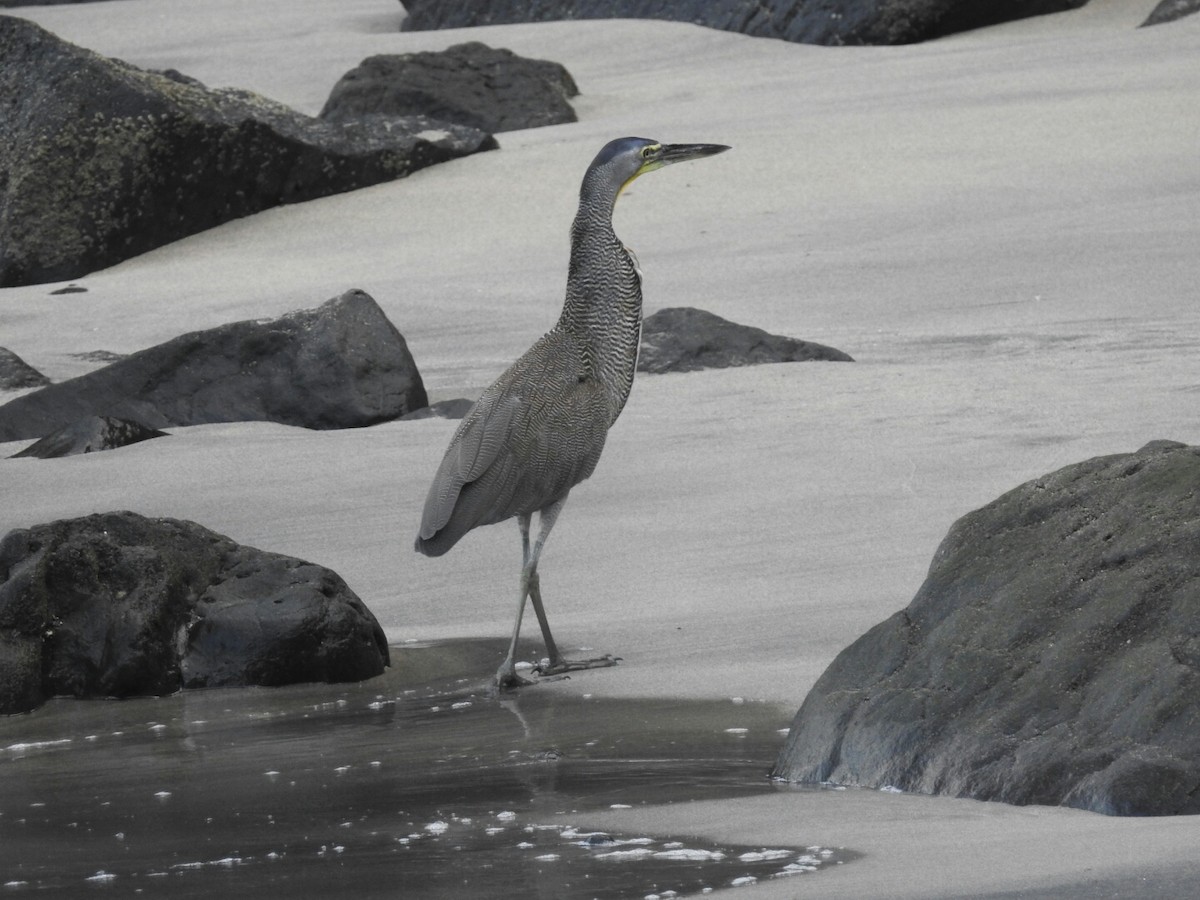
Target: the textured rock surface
(1052, 655)
(684, 339)
(16, 374)
(803, 21)
(101, 161)
(470, 84)
(118, 605)
(90, 434)
(1170, 10)
(342, 365)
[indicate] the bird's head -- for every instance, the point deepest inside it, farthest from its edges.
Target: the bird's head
(623, 160)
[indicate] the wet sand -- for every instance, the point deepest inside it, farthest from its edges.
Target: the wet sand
(1000, 227)
(423, 782)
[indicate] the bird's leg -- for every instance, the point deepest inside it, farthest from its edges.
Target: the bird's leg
(506, 675)
(557, 664)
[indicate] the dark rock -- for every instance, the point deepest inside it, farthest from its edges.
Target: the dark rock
(117, 605)
(683, 339)
(471, 84)
(804, 21)
(1170, 11)
(444, 409)
(90, 434)
(101, 161)
(342, 365)
(99, 356)
(1052, 655)
(69, 289)
(16, 374)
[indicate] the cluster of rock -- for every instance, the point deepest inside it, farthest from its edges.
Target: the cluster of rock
(341, 365)
(1052, 655)
(118, 605)
(832, 22)
(103, 161)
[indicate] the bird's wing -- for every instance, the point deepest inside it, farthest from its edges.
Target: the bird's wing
(533, 435)
(476, 444)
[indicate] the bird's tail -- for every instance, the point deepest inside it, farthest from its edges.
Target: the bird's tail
(432, 546)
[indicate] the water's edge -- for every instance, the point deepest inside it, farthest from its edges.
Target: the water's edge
(420, 783)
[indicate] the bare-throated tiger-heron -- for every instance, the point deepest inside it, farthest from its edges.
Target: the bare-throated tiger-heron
(539, 429)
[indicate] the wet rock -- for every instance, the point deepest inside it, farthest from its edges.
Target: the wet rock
(684, 339)
(805, 21)
(101, 161)
(443, 409)
(118, 605)
(342, 365)
(471, 84)
(90, 434)
(1170, 11)
(1052, 655)
(16, 374)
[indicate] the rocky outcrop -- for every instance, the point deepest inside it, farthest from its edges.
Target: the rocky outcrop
(1170, 11)
(470, 84)
(118, 605)
(683, 339)
(1052, 655)
(831, 22)
(90, 434)
(101, 161)
(342, 365)
(16, 374)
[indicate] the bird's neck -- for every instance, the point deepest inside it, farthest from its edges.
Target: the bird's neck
(603, 307)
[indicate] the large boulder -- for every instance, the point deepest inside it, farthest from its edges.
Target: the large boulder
(16, 374)
(471, 84)
(118, 605)
(1052, 655)
(101, 161)
(341, 365)
(805, 21)
(684, 339)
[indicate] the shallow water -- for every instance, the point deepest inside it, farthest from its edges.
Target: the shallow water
(420, 783)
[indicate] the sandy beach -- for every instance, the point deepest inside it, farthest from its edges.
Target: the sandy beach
(1000, 227)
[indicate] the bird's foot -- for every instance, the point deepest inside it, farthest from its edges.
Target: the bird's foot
(562, 666)
(507, 677)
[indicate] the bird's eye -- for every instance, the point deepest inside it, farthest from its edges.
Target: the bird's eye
(648, 151)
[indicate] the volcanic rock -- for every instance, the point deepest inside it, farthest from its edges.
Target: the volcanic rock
(1052, 655)
(118, 605)
(832, 22)
(90, 434)
(1170, 11)
(684, 339)
(16, 374)
(470, 84)
(101, 161)
(341, 365)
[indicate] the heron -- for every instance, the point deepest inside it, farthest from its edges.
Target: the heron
(539, 429)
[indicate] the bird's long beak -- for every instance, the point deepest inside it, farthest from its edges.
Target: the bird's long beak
(673, 153)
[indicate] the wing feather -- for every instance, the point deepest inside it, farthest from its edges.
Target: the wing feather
(532, 436)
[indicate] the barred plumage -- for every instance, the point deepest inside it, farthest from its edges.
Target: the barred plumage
(540, 428)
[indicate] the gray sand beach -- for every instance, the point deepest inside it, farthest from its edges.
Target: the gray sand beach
(1000, 227)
